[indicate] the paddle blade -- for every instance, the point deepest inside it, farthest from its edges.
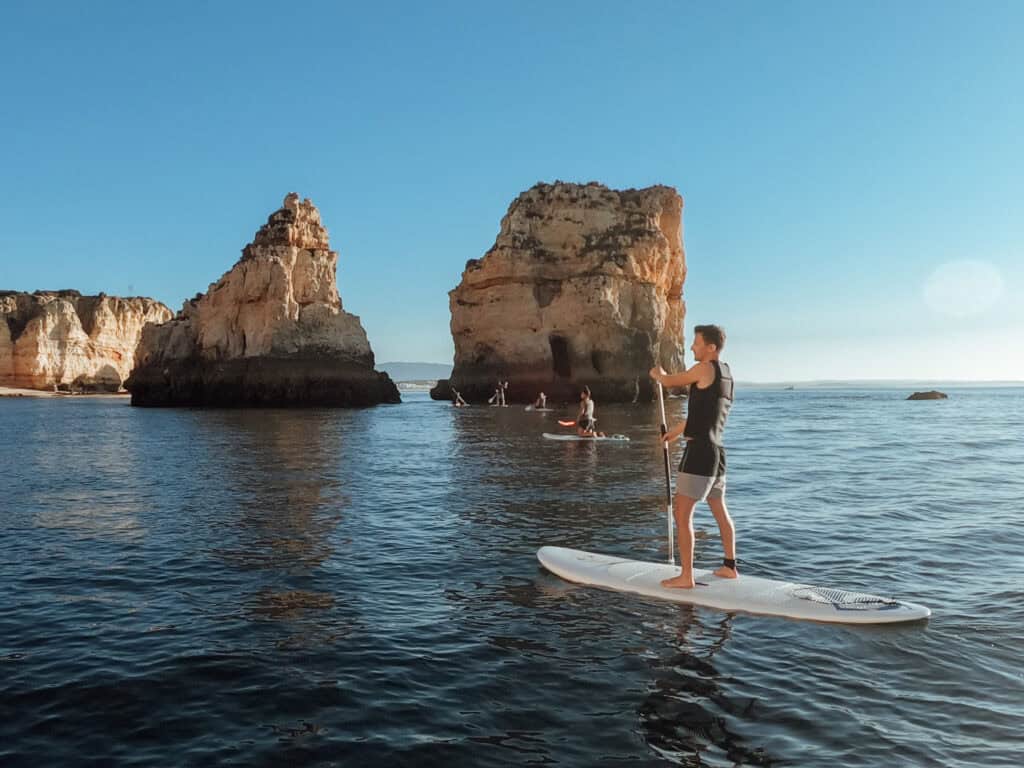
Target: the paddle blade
(567, 423)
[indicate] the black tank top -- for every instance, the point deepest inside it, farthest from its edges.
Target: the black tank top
(706, 412)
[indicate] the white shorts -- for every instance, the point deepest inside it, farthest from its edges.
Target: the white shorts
(700, 487)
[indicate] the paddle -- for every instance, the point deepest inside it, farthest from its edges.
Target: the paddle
(668, 477)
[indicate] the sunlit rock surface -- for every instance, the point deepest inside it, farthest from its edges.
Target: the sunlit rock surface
(270, 332)
(64, 340)
(583, 285)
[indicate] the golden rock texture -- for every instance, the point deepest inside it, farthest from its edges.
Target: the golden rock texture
(64, 340)
(583, 285)
(270, 332)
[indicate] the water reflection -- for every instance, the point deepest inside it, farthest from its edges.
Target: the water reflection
(683, 717)
(279, 475)
(89, 512)
(273, 516)
(91, 487)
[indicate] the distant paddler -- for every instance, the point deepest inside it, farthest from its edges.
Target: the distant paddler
(702, 469)
(541, 401)
(498, 398)
(458, 402)
(585, 422)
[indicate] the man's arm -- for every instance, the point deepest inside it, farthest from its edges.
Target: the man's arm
(699, 373)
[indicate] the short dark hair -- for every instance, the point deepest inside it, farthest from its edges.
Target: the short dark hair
(712, 334)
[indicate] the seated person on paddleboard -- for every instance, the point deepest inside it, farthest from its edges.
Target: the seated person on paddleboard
(585, 421)
(702, 470)
(541, 401)
(458, 402)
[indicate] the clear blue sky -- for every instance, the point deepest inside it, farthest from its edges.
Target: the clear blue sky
(853, 172)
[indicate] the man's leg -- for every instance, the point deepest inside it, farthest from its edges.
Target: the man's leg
(682, 511)
(728, 533)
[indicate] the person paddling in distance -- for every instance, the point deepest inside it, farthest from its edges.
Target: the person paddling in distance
(498, 398)
(585, 421)
(458, 402)
(702, 469)
(541, 401)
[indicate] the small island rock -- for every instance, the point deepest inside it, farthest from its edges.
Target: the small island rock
(933, 394)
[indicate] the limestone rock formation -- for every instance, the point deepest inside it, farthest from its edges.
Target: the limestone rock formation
(270, 332)
(583, 285)
(69, 341)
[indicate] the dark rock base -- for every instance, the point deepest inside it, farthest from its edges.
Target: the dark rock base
(260, 382)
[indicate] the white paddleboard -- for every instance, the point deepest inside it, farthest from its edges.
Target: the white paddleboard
(577, 438)
(538, 410)
(746, 593)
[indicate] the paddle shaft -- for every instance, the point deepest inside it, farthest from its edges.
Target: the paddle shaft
(668, 477)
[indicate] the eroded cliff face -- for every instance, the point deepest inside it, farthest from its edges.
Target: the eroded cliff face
(583, 285)
(69, 341)
(271, 331)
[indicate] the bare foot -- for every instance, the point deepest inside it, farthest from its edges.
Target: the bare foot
(678, 582)
(725, 572)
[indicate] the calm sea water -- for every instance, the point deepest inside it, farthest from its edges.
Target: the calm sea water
(330, 587)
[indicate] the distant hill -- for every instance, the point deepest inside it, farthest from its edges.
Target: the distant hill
(416, 371)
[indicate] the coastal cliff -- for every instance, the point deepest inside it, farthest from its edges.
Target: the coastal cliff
(583, 285)
(71, 342)
(270, 332)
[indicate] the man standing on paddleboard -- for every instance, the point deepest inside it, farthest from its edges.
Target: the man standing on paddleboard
(586, 424)
(702, 470)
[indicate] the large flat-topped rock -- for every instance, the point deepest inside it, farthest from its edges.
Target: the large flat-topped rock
(64, 340)
(270, 332)
(582, 286)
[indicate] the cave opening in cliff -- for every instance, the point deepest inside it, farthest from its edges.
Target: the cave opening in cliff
(560, 356)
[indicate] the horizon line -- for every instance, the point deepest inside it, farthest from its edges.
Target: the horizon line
(910, 380)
